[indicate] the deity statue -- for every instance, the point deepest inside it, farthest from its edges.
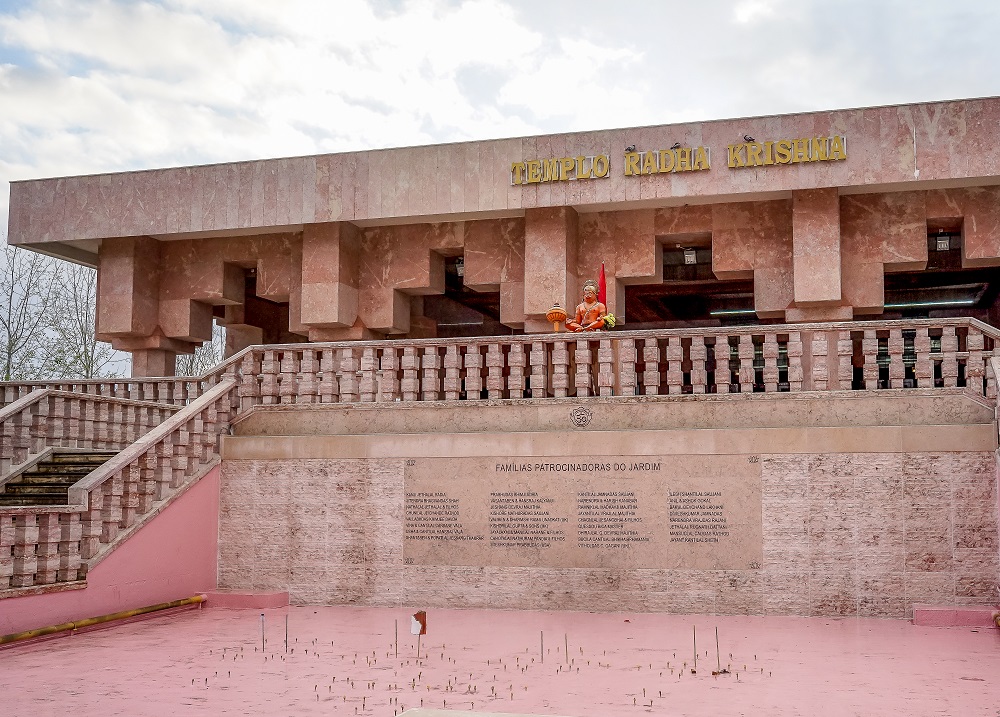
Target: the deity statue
(589, 314)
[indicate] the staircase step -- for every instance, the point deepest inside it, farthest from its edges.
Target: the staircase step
(89, 456)
(48, 499)
(63, 468)
(35, 488)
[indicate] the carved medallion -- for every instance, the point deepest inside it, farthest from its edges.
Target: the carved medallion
(580, 416)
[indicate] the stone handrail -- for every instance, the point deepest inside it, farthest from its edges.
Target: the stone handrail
(50, 417)
(45, 545)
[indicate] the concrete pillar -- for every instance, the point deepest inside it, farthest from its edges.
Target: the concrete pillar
(550, 263)
(816, 247)
(152, 362)
(330, 275)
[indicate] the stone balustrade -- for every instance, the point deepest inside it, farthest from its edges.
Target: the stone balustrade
(804, 357)
(39, 546)
(48, 417)
(44, 545)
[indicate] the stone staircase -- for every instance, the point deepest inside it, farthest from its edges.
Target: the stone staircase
(48, 481)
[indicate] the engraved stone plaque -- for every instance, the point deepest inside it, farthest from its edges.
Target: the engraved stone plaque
(679, 511)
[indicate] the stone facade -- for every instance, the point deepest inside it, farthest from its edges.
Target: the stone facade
(340, 247)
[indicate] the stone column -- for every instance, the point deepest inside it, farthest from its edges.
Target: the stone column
(330, 275)
(550, 261)
(816, 257)
(153, 362)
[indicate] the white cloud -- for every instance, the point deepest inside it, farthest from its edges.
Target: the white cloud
(101, 85)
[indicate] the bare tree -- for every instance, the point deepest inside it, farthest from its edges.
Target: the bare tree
(73, 350)
(29, 283)
(205, 357)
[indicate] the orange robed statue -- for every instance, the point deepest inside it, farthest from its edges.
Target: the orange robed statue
(590, 314)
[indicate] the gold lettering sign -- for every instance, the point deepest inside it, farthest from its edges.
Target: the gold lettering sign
(680, 159)
(787, 151)
(561, 169)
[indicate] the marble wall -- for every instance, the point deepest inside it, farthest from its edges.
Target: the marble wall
(868, 503)
(845, 534)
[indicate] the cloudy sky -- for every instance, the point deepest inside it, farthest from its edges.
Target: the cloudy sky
(90, 86)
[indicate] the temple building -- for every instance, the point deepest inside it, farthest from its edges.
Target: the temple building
(828, 216)
(793, 414)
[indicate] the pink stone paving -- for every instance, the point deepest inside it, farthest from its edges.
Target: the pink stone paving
(342, 661)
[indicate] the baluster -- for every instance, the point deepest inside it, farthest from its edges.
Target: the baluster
(329, 387)
(430, 388)
(583, 356)
(560, 368)
(539, 369)
(89, 423)
(388, 375)
(71, 533)
(699, 372)
(452, 372)
(57, 421)
(111, 509)
(949, 356)
(90, 522)
(675, 365)
(40, 425)
(369, 367)
(120, 426)
(269, 378)
(820, 348)
(410, 363)
(723, 374)
(517, 362)
(923, 370)
(794, 354)
(494, 365)
(132, 480)
(845, 360)
(25, 559)
(770, 352)
(165, 467)
(179, 394)
(606, 367)
(349, 365)
(308, 381)
(47, 553)
(147, 481)
(897, 371)
(869, 349)
(474, 372)
(746, 372)
(976, 364)
(651, 375)
(288, 374)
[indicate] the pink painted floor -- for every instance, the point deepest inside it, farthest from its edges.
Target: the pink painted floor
(209, 662)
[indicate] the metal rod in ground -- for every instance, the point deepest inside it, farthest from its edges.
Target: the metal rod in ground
(694, 637)
(418, 645)
(262, 632)
(286, 632)
(541, 635)
(566, 640)
(718, 659)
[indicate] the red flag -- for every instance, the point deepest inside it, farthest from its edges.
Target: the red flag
(418, 623)
(602, 287)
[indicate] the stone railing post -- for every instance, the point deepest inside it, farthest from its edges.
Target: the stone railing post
(869, 351)
(430, 365)
(474, 364)
(897, 370)
(368, 387)
(560, 368)
(410, 363)
(675, 365)
(949, 356)
(794, 350)
(308, 381)
(699, 370)
(538, 356)
(329, 387)
(348, 374)
(388, 377)
(517, 362)
(583, 358)
(651, 373)
(494, 367)
(923, 369)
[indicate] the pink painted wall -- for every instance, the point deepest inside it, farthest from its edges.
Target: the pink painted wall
(174, 556)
